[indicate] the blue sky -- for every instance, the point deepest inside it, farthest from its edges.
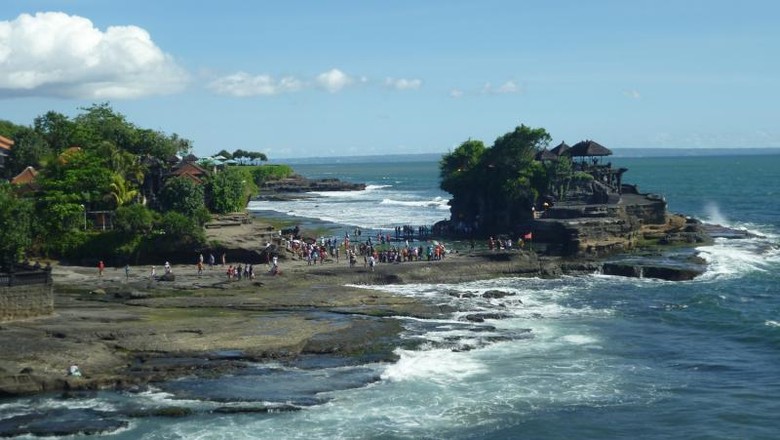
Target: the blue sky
(334, 78)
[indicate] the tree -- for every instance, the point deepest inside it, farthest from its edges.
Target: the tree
(226, 191)
(15, 226)
(30, 149)
(57, 129)
(81, 178)
(495, 187)
(134, 219)
(457, 168)
(182, 195)
(100, 123)
(225, 153)
(252, 155)
(122, 191)
(181, 229)
(9, 129)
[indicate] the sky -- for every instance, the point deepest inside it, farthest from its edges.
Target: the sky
(360, 77)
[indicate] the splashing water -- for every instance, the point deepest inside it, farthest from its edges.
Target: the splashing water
(714, 214)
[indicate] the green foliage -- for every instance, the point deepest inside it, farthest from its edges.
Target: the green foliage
(180, 228)
(265, 173)
(459, 169)
(9, 129)
(581, 176)
(226, 191)
(159, 145)
(59, 224)
(182, 195)
(15, 226)
(560, 172)
(134, 219)
(107, 172)
(30, 149)
(494, 188)
(225, 153)
(83, 176)
(57, 129)
(249, 155)
(100, 123)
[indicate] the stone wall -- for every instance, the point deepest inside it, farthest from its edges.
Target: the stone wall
(19, 302)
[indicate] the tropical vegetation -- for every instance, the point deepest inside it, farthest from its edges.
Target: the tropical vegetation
(104, 183)
(495, 188)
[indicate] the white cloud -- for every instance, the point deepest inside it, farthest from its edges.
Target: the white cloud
(456, 93)
(508, 87)
(242, 84)
(633, 94)
(61, 55)
(504, 89)
(334, 80)
(403, 83)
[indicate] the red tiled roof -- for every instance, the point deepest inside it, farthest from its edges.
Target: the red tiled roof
(6, 143)
(26, 176)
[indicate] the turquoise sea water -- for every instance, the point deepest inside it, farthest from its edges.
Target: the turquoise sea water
(589, 357)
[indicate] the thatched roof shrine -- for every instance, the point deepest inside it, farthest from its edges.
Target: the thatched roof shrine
(561, 149)
(589, 149)
(545, 154)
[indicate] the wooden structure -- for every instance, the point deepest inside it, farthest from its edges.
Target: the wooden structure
(5, 151)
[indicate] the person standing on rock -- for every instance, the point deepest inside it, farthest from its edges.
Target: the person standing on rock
(127, 272)
(101, 267)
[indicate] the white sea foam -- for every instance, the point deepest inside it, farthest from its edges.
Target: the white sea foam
(579, 339)
(379, 207)
(733, 258)
(772, 323)
(438, 202)
(440, 366)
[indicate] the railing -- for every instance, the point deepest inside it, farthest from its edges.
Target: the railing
(25, 278)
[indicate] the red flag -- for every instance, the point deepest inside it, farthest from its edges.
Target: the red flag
(528, 236)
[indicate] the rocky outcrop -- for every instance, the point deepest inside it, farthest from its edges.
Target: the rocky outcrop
(646, 270)
(300, 184)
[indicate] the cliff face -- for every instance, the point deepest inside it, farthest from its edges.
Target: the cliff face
(598, 230)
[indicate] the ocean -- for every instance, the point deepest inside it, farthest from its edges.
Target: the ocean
(589, 357)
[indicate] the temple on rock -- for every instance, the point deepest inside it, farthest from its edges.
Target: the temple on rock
(596, 213)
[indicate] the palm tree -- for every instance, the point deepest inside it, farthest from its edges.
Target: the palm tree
(122, 191)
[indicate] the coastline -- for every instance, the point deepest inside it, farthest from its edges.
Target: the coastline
(125, 332)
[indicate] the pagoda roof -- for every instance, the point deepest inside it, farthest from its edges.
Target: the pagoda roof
(589, 148)
(561, 149)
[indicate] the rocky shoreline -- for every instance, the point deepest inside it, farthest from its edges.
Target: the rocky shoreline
(123, 331)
